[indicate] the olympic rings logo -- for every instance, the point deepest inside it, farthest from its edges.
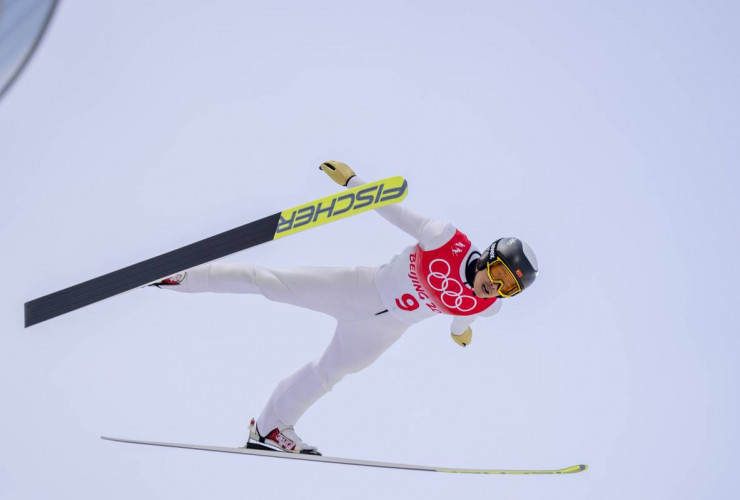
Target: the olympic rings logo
(452, 290)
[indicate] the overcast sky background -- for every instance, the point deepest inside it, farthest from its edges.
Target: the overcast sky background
(602, 133)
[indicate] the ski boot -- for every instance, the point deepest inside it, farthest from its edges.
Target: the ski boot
(174, 280)
(279, 439)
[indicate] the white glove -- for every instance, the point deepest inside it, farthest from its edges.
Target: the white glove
(338, 171)
(464, 338)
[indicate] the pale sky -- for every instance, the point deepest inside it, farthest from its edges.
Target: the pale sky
(604, 134)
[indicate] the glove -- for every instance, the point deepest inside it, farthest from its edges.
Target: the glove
(338, 171)
(464, 338)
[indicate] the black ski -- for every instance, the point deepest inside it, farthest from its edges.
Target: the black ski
(293, 220)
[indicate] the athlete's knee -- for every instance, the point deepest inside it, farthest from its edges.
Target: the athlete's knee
(331, 373)
(329, 377)
(272, 284)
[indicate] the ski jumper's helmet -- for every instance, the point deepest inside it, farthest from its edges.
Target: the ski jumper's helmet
(516, 257)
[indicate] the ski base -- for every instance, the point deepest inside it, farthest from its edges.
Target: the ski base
(253, 450)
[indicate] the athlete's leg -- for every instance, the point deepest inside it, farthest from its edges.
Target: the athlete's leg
(218, 278)
(355, 345)
(342, 292)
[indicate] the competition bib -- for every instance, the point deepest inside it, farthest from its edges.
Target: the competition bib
(434, 282)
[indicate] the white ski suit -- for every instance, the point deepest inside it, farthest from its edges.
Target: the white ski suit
(373, 306)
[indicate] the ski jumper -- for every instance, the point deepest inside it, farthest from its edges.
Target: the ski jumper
(373, 306)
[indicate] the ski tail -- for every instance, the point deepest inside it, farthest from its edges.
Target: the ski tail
(324, 210)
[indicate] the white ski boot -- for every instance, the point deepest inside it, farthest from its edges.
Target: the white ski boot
(279, 439)
(174, 280)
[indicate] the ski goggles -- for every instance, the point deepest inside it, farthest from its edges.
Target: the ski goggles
(504, 290)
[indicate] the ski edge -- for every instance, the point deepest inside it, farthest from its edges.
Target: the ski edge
(349, 461)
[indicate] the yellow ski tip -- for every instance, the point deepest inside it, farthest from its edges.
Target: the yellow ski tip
(574, 469)
(568, 470)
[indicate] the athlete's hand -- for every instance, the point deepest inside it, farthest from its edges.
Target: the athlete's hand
(464, 338)
(338, 171)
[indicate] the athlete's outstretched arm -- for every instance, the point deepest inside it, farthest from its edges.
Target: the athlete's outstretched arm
(429, 232)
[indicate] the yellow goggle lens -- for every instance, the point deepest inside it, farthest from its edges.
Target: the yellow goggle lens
(503, 290)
